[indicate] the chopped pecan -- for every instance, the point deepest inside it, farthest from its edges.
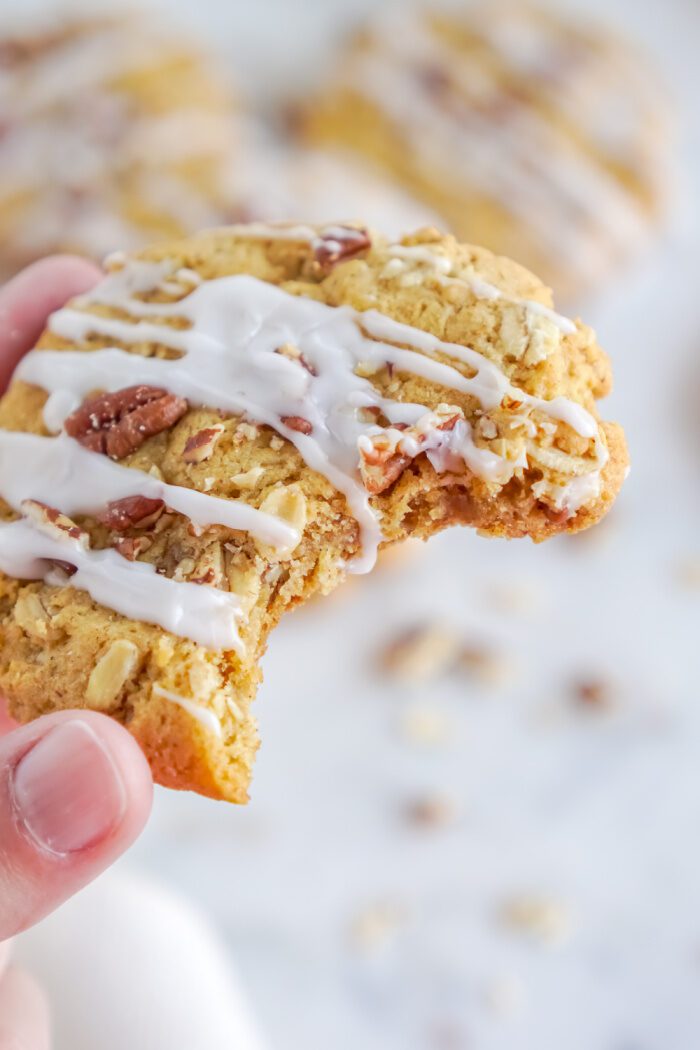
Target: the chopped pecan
(52, 523)
(131, 546)
(297, 423)
(136, 511)
(64, 566)
(117, 424)
(201, 445)
(209, 568)
(557, 517)
(293, 353)
(448, 424)
(371, 414)
(337, 243)
(380, 464)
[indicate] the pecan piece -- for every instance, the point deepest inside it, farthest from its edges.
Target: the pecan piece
(293, 353)
(337, 243)
(130, 547)
(119, 423)
(64, 566)
(209, 568)
(380, 465)
(448, 424)
(201, 445)
(557, 517)
(52, 523)
(136, 511)
(297, 423)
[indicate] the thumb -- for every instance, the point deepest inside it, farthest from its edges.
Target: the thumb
(75, 791)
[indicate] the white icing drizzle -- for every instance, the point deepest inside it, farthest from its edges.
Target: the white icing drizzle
(413, 253)
(134, 589)
(229, 360)
(61, 472)
(482, 289)
(204, 715)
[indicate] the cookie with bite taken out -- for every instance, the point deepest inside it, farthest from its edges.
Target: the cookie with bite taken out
(230, 424)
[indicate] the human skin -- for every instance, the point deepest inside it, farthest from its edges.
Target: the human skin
(75, 789)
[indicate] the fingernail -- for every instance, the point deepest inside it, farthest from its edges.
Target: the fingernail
(68, 793)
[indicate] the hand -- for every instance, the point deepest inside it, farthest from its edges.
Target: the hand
(75, 789)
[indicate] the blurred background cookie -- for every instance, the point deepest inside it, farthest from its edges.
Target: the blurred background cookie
(542, 138)
(276, 180)
(113, 132)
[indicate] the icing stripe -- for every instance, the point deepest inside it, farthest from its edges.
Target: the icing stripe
(481, 289)
(61, 472)
(134, 589)
(442, 266)
(230, 362)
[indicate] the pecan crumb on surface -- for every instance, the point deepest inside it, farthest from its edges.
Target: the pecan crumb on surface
(594, 692)
(375, 924)
(420, 653)
(431, 811)
(486, 666)
(424, 725)
(542, 917)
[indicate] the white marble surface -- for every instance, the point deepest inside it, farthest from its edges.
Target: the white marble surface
(599, 811)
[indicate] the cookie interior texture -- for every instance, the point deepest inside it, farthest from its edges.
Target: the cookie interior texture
(60, 649)
(539, 137)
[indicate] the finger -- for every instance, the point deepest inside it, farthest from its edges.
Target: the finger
(27, 300)
(6, 723)
(24, 1014)
(75, 791)
(5, 952)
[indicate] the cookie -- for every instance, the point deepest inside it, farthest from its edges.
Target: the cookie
(113, 133)
(540, 138)
(231, 423)
(275, 181)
